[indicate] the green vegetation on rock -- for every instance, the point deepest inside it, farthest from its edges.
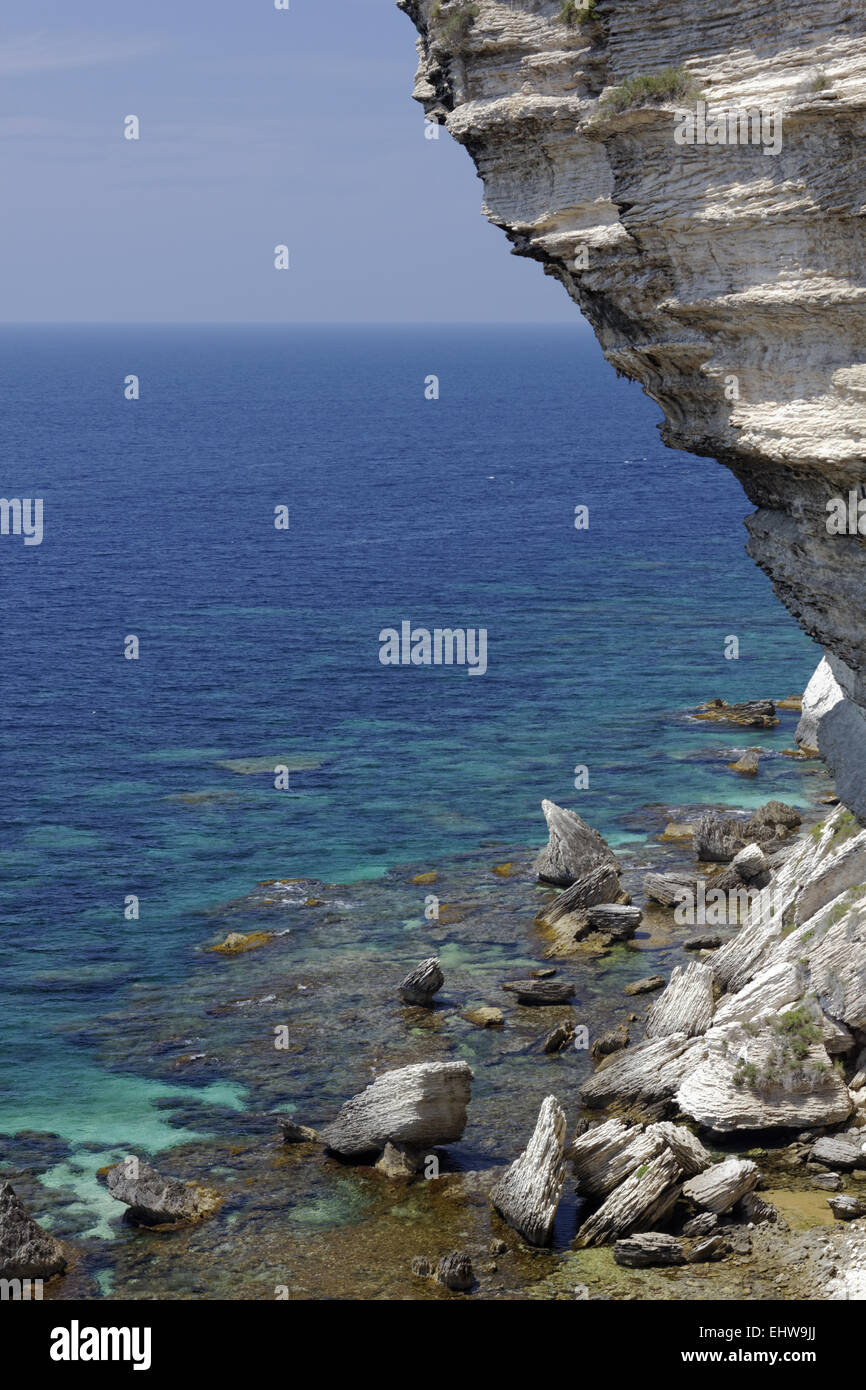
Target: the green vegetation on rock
(646, 89)
(453, 23)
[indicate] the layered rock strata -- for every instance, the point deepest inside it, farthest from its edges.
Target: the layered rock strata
(728, 278)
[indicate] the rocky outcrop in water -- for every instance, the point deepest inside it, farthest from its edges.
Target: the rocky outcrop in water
(573, 850)
(154, 1200)
(420, 1105)
(26, 1250)
(529, 1193)
(422, 982)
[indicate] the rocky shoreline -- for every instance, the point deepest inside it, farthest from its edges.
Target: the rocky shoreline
(689, 1157)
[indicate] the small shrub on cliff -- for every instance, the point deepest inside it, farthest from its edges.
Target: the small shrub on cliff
(574, 13)
(820, 82)
(646, 89)
(453, 23)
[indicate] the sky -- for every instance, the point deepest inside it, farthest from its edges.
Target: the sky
(258, 128)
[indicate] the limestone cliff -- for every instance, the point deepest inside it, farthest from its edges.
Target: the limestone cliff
(729, 280)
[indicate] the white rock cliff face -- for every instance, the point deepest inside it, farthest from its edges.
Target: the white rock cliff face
(730, 282)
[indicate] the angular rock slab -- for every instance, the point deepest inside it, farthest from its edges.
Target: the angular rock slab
(573, 847)
(607, 1154)
(154, 1200)
(720, 1187)
(26, 1251)
(528, 1195)
(652, 1248)
(422, 983)
(686, 1006)
(650, 1072)
(420, 1104)
(638, 1204)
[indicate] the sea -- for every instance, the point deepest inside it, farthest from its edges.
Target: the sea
(193, 700)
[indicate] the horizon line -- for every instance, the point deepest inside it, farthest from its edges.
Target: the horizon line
(579, 321)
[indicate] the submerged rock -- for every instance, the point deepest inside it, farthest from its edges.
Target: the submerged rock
(26, 1250)
(573, 847)
(424, 1104)
(560, 1037)
(529, 1193)
(646, 986)
(237, 943)
(540, 991)
(154, 1200)
(747, 764)
(422, 983)
(754, 714)
(614, 1040)
(485, 1016)
(400, 1161)
(297, 1134)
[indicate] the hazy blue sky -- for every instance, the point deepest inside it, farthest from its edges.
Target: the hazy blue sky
(258, 127)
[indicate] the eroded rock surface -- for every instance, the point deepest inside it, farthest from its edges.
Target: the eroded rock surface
(729, 279)
(424, 1104)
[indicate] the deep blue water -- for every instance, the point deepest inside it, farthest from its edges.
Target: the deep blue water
(262, 644)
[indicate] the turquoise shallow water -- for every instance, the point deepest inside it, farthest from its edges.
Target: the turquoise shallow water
(261, 647)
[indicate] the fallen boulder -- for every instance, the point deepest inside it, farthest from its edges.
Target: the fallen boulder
(154, 1200)
(422, 983)
(614, 1040)
(837, 1153)
(529, 1193)
(454, 1271)
(753, 1077)
(715, 1248)
(750, 862)
(400, 1161)
(652, 1248)
(560, 1037)
(669, 889)
(646, 986)
(26, 1250)
(637, 1204)
(605, 1155)
(847, 1208)
(721, 1186)
(686, 1147)
(573, 848)
(540, 991)
(701, 1225)
(424, 1104)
